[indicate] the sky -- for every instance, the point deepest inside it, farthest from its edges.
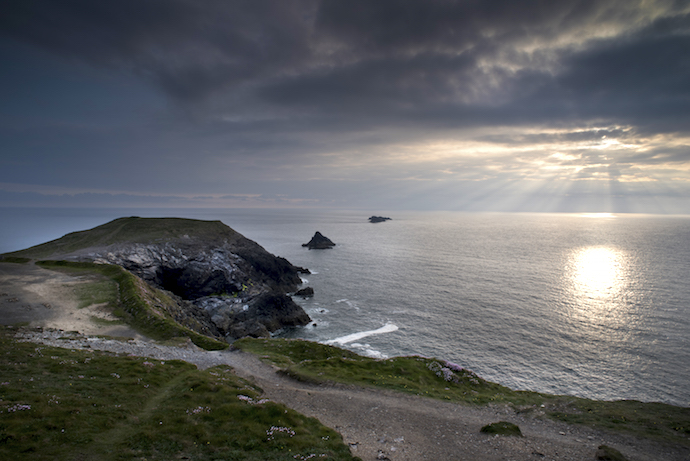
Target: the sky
(544, 106)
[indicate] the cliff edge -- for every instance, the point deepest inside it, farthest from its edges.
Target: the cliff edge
(228, 283)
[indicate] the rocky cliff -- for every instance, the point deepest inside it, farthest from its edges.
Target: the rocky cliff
(240, 287)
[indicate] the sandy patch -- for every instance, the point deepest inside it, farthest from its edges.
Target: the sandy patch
(43, 298)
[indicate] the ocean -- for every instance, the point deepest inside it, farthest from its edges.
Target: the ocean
(594, 306)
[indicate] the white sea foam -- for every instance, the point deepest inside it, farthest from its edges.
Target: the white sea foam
(387, 328)
(368, 351)
(352, 304)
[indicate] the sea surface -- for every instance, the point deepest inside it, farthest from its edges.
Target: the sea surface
(595, 306)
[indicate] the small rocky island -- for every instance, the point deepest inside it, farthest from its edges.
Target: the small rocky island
(375, 219)
(319, 242)
(220, 283)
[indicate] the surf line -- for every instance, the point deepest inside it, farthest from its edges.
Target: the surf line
(387, 328)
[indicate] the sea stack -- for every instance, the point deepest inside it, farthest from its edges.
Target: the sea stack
(319, 242)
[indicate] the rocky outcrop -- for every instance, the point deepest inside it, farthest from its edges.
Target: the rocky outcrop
(375, 219)
(305, 292)
(226, 284)
(267, 313)
(319, 242)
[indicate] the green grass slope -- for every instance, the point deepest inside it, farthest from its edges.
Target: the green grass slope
(434, 378)
(61, 404)
(133, 230)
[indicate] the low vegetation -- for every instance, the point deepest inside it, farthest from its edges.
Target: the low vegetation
(606, 453)
(130, 230)
(307, 361)
(14, 259)
(133, 300)
(64, 404)
(502, 428)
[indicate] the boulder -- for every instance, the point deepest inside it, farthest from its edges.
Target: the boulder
(305, 292)
(319, 242)
(375, 219)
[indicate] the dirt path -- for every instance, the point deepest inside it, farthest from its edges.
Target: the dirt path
(376, 424)
(43, 298)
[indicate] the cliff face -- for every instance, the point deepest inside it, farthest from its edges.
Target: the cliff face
(193, 270)
(218, 270)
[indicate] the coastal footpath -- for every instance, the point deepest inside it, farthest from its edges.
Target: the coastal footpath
(374, 423)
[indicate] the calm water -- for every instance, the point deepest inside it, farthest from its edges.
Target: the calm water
(597, 307)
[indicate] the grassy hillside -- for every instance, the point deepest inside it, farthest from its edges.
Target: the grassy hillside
(62, 404)
(442, 380)
(138, 304)
(134, 230)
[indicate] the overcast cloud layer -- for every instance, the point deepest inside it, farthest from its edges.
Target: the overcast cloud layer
(387, 104)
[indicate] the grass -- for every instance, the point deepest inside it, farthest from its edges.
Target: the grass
(502, 428)
(138, 304)
(428, 377)
(14, 259)
(101, 291)
(131, 230)
(60, 404)
(313, 362)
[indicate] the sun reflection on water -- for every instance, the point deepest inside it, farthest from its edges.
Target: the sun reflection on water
(598, 278)
(597, 272)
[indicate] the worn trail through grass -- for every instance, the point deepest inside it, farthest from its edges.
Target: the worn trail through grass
(127, 428)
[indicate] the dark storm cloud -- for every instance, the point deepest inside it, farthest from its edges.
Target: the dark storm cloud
(400, 92)
(190, 48)
(648, 74)
(431, 59)
(450, 64)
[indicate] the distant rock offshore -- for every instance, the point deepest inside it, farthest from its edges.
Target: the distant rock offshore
(375, 219)
(319, 242)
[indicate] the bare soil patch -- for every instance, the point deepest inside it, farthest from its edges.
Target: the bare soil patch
(43, 298)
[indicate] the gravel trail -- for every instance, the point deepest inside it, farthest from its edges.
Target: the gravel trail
(380, 424)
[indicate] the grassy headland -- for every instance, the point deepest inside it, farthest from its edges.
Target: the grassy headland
(130, 230)
(319, 363)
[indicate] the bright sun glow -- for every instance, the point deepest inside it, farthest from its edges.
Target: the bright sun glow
(598, 215)
(597, 272)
